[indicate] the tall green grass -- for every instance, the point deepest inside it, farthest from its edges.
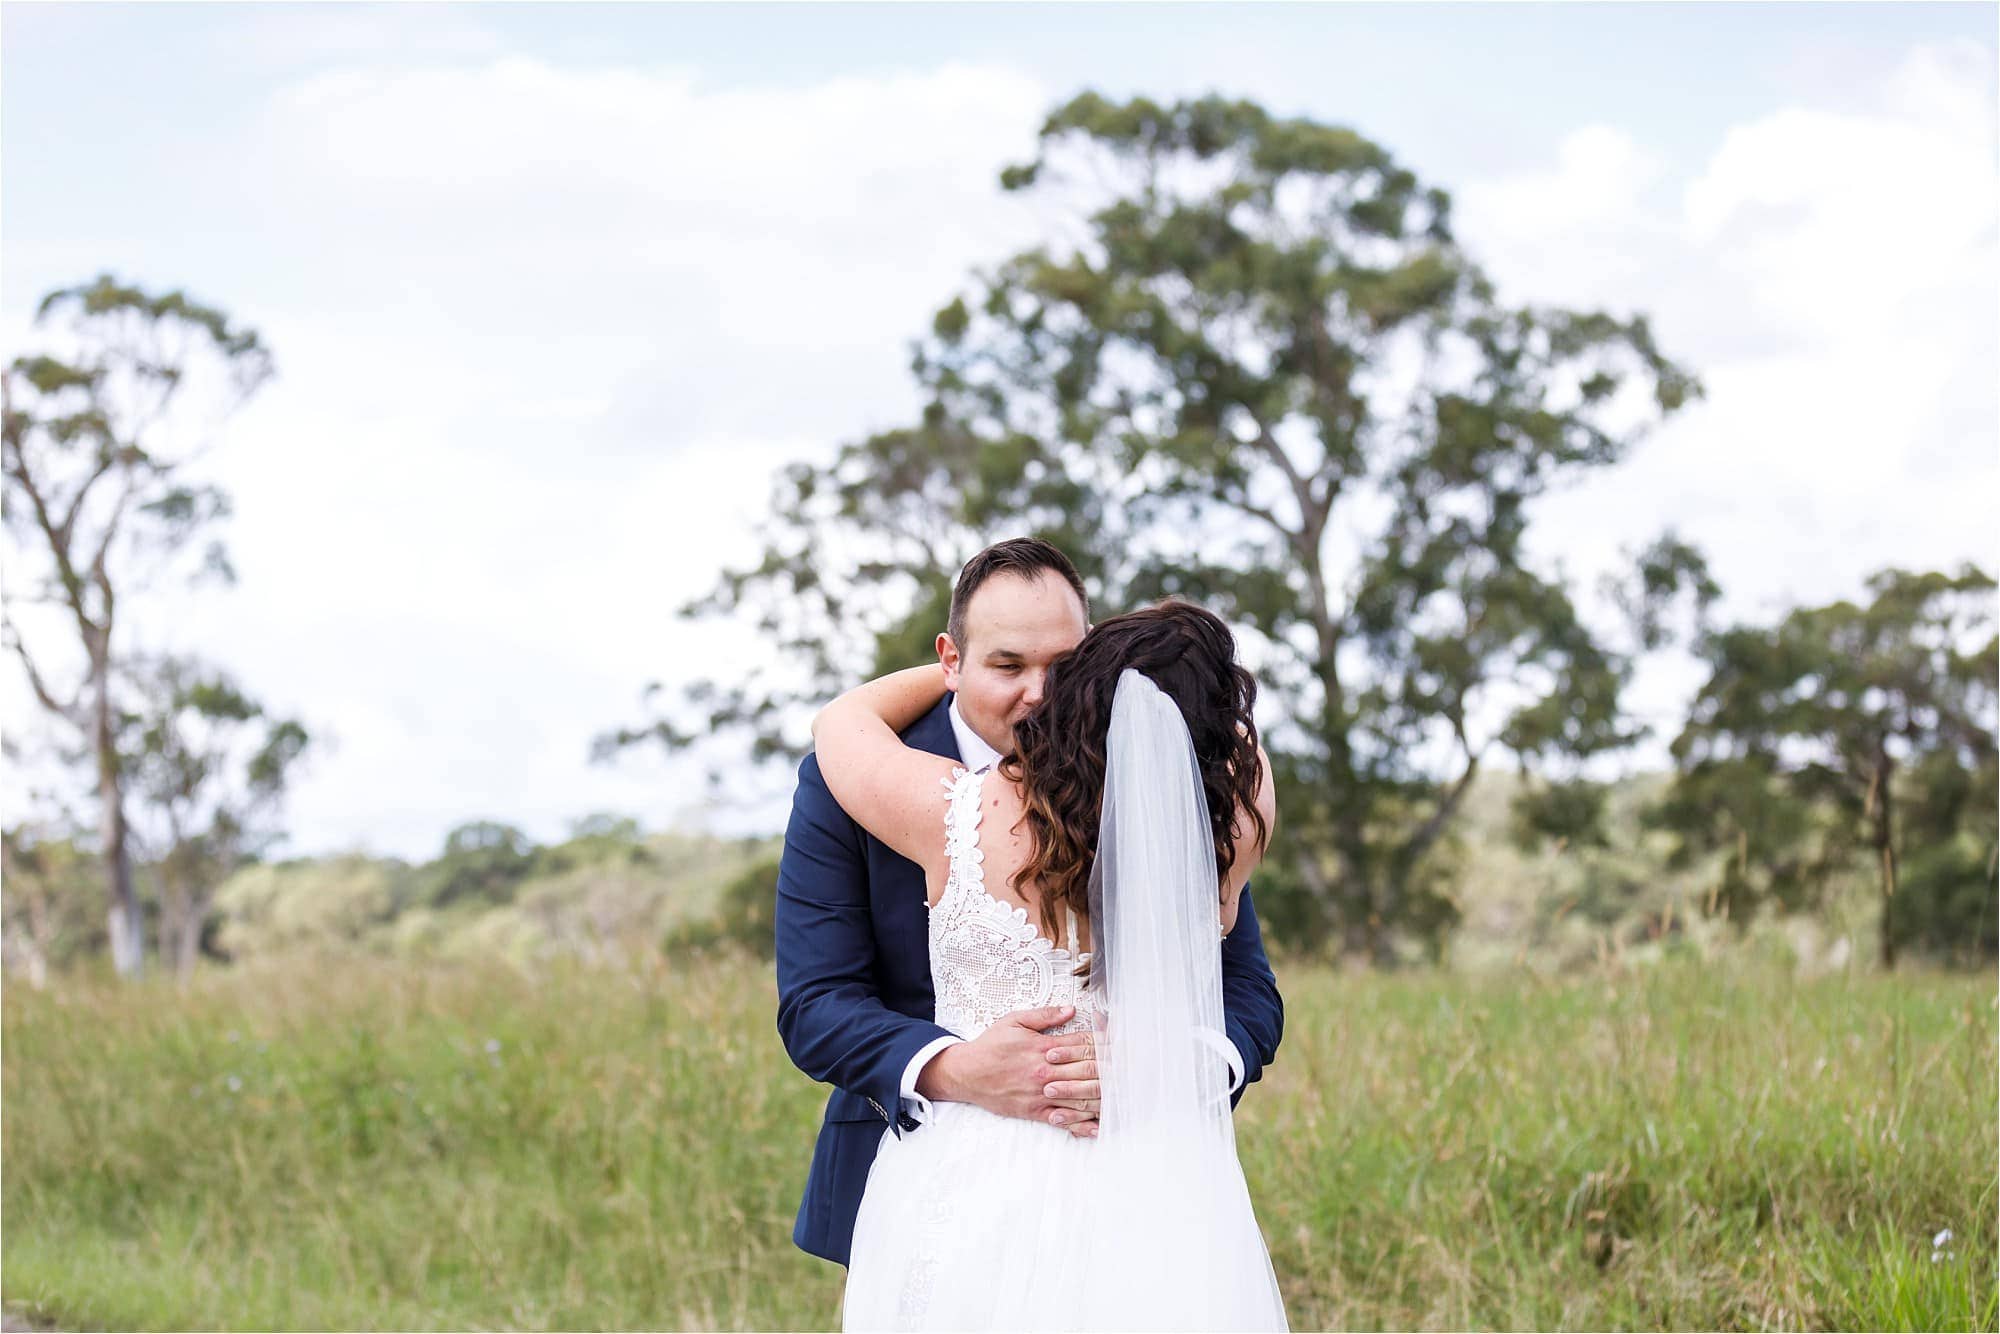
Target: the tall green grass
(347, 1144)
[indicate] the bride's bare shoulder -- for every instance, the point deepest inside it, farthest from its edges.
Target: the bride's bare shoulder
(1003, 797)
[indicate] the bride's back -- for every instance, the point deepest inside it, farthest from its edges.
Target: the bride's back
(989, 957)
(1005, 845)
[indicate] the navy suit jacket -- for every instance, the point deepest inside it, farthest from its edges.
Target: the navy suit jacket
(854, 987)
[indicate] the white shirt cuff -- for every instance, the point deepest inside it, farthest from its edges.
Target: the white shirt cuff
(1226, 1049)
(915, 1103)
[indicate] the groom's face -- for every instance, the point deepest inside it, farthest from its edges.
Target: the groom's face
(1014, 628)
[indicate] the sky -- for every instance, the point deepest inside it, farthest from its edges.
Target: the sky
(552, 289)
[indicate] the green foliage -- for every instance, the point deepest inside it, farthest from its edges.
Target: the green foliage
(742, 920)
(352, 1144)
(1945, 905)
(209, 769)
(1563, 812)
(619, 906)
(610, 892)
(483, 863)
(607, 892)
(89, 422)
(1848, 736)
(1191, 395)
(50, 915)
(601, 839)
(95, 433)
(340, 902)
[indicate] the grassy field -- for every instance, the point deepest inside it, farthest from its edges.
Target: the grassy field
(351, 1144)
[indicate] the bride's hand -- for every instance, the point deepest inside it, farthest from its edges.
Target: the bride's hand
(1073, 1087)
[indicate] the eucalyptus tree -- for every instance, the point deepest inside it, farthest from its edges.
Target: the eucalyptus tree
(212, 766)
(1851, 735)
(100, 424)
(47, 915)
(1253, 365)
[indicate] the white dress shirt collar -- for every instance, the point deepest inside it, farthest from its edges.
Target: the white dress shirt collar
(973, 752)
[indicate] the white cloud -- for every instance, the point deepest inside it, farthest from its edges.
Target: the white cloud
(1832, 278)
(727, 261)
(1596, 184)
(543, 335)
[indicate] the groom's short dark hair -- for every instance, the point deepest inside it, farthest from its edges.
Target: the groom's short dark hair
(1024, 557)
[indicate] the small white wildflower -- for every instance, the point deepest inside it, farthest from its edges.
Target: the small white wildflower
(235, 1084)
(493, 1046)
(1941, 1240)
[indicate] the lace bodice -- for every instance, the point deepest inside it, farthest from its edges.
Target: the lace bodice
(987, 958)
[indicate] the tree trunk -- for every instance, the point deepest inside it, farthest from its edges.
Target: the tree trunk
(1363, 934)
(29, 949)
(1885, 848)
(43, 936)
(126, 922)
(175, 912)
(196, 897)
(189, 952)
(166, 925)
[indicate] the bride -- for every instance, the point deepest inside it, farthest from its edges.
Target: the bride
(1133, 809)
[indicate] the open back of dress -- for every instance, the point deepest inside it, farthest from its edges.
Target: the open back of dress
(982, 1222)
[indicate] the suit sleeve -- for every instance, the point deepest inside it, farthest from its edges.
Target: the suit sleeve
(830, 1012)
(1252, 1010)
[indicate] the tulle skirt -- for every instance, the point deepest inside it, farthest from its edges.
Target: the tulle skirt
(983, 1222)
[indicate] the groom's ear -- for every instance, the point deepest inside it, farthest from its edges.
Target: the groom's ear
(947, 652)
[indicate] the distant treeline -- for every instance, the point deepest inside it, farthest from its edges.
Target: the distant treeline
(611, 891)
(607, 891)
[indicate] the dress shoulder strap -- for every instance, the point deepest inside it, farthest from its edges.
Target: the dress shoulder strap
(961, 826)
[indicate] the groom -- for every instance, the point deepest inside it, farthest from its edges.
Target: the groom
(854, 987)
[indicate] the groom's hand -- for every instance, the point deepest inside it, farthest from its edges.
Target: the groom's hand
(1011, 1068)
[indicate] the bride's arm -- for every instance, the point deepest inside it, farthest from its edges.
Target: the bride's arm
(1249, 852)
(891, 789)
(896, 701)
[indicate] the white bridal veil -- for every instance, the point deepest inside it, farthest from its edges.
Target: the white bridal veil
(1172, 1238)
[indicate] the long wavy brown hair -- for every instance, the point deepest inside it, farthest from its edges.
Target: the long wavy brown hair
(1059, 748)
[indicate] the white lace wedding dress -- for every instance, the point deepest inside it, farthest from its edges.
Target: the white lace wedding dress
(978, 1221)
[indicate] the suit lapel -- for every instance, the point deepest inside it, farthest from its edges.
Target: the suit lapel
(933, 732)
